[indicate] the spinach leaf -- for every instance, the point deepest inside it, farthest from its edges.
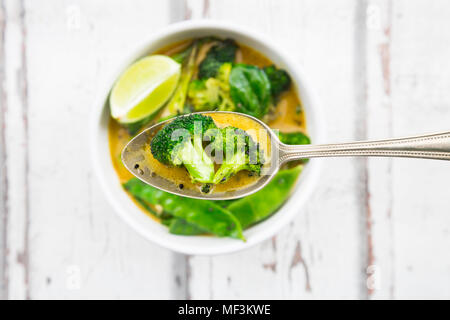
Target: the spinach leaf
(203, 214)
(250, 90)
(223, 51)
(260, 205)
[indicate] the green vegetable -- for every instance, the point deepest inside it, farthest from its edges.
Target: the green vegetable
(206, 188)
(182, 227)
(181, 143)
(224, 203)
(250, 90)
(238, 152)
(260, 205)
(294, 138)
(147, 208)
(280, 80)
(175, 105)
(212, 93)
(205, 215)
(224, 51)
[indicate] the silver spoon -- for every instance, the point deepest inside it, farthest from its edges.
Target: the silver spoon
(432, 146)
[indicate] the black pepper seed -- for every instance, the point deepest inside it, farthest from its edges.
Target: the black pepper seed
(136, 166)
(181, 186)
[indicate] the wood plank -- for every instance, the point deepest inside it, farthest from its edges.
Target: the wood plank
(320, 254)
(78, 247)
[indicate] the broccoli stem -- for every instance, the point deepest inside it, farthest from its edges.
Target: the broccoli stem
(197, 162)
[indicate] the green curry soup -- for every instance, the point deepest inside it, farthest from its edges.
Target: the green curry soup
(185, 216)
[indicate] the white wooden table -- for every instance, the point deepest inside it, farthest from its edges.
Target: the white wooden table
(376, 228)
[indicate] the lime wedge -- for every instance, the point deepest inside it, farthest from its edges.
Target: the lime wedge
(144, 88)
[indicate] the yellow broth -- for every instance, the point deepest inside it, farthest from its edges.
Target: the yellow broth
(287, 116)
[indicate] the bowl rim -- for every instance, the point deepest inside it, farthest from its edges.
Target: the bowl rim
(262, 230)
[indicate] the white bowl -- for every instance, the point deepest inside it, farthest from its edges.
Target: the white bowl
(153, 230)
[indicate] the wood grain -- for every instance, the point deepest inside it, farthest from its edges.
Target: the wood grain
(420, 103)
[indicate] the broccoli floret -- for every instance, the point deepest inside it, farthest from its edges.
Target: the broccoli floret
(279, 80)
(239, 152)
(176, 104)
(206, 188)
(224, 51)
(294, 138)
(181, 143)
(212, 93)
(250, 90)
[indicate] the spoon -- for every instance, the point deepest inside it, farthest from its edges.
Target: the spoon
(431, 146)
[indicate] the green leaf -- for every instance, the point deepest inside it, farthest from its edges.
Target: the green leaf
(262, 204)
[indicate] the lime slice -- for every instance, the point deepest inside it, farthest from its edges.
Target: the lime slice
(144, 88)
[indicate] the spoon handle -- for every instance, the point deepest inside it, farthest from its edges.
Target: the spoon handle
(432, 146)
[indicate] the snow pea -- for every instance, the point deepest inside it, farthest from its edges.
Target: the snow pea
(203, 214)
(262, 204)
(294, 138)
